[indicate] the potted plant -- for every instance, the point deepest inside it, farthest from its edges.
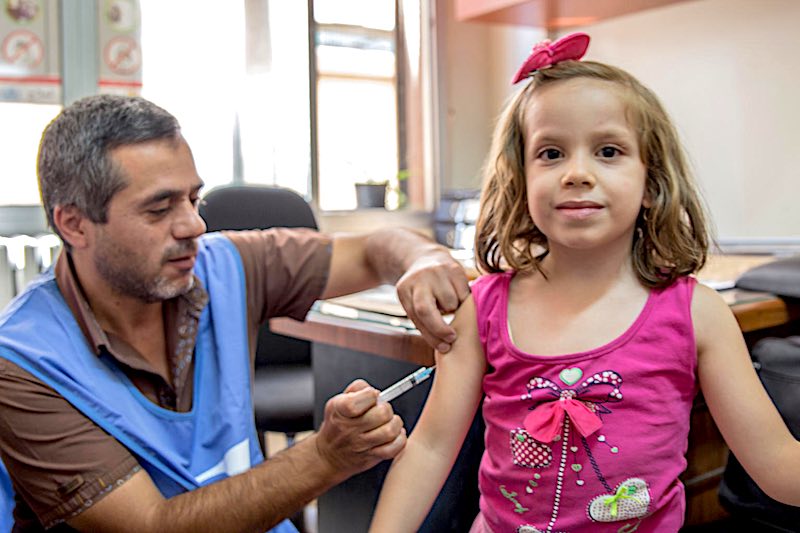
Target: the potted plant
(402, 187)
(371, 194)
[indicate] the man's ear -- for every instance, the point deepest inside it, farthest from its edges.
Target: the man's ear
(72, 224)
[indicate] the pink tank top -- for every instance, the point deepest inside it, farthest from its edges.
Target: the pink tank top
(591, 441)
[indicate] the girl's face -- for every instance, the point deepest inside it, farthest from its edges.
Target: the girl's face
(584, 175)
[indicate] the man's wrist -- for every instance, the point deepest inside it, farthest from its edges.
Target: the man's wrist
(326, 466)
(392, 252)
(424, 250)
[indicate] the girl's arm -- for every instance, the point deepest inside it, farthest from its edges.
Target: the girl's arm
(420, 470)
(742, 410)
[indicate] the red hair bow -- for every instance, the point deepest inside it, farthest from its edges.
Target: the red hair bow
(546, 54)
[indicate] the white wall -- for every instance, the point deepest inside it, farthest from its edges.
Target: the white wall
(728, 71)
(464, 102)
(476, 63)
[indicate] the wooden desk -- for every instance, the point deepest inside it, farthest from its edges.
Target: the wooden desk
(343, 346)
(755, 311)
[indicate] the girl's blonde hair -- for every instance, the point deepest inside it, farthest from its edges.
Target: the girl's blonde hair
(671, 237)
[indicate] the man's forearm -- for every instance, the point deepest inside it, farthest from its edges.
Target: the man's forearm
(391, 252)
(256, 500)
(356, 434)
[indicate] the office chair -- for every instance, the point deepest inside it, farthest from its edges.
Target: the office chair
(283, 387)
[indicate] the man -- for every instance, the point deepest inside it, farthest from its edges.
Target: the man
(124, 373)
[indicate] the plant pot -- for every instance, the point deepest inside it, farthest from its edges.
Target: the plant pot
(370, 194)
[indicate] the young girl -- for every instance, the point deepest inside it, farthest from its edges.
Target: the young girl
(588, 336)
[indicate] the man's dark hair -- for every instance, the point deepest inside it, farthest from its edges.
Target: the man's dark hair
(74, 166)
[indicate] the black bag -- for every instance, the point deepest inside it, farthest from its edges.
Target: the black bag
(777, 362)
(781, 277)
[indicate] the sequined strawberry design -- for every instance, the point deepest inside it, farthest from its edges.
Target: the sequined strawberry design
(527, 452)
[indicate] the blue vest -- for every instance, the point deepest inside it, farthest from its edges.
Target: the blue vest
(180, 451)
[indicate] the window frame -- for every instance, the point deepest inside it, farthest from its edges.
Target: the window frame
(423, 187)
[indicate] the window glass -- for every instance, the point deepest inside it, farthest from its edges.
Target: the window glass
(357, 130)
(193, 64)
(275, 112)
(245, 116)
(378, 14)
(19, 144)
(356, 98)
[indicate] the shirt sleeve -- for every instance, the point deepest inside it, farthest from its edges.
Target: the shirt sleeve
(285, 270)
(60, 462)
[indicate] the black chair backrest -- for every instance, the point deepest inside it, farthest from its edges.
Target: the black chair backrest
(236, 207)
(242, 207)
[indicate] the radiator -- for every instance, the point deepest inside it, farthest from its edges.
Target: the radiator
(22, 258)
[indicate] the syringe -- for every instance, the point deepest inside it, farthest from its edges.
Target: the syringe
(405, 384)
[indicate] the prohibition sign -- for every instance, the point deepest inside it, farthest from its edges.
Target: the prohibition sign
(122, 55)
(22, 47)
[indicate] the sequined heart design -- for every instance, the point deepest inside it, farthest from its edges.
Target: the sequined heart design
(528, 452)
(570, 376)
(631, 500)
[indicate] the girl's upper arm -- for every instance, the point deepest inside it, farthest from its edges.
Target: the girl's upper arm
(742, 410)
(456, 390)
(436, 439)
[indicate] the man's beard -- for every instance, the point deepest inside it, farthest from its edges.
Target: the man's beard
(125, 272)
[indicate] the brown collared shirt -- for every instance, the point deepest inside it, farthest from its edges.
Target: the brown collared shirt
(60, 461)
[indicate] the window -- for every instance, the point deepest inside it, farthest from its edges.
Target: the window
(236, 75)
(373, 101)
(29, 72)
(356, 101)
(19, 139)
